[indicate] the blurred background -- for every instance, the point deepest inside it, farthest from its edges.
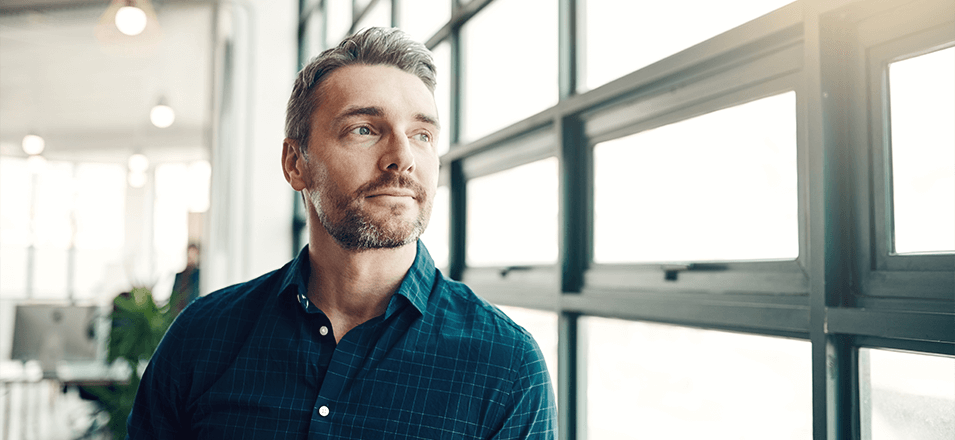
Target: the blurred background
(719, 219)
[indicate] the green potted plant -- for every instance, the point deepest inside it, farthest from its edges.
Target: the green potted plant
(138, 324)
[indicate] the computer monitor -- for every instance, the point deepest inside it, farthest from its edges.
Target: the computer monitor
(52, 333)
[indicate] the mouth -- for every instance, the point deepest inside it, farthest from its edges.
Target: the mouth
(393, 196)
(393, 193)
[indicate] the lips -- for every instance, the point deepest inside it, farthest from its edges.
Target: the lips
(394, 193)
(392, 185)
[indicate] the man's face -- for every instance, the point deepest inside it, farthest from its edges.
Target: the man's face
(372, 166)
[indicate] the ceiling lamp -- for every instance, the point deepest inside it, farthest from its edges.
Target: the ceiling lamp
(129, 28)
(33, 144)
(130, 20)
(138, 163)
(162, 115)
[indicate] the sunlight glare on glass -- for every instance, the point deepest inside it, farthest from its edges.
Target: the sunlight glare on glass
(623, 36)
(435, 237)
(716, 187)
(922, 106)
(510, 64)
(652, 381)
(512, 216)
(906, 395)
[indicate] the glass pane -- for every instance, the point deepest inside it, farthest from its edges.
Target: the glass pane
(55, 197)
(50, 270)
(312, 41)
(435, 237)
(422, 18)
(379, 16)
(442, 94)
(13, 266)
(649, 381)
(614, 30)
(922, 96)
(721, 186)
(906, 396)
(339, 21)
(95, 273)
(543, 327)
(512, 216)
(100, 206)
(503, 86)
(171, 218)
(16, 188)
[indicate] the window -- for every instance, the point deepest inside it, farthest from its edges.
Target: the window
(512, 216)
(422, 18)
(659, 381)
(624, 36)
(726, 220)
(906, 395)
(922, 108)
(510, 64)
(716, 187)
(442, 94)
(435, 237)
(379, 15)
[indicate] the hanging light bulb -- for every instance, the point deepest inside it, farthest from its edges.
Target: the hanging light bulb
(162, 115)
(33, 144)
(130, 20)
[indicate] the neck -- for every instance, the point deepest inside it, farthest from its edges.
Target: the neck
(350, 286)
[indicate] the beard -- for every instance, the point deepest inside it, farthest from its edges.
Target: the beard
(346, 220)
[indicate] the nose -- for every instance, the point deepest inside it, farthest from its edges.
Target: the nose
(397, 157)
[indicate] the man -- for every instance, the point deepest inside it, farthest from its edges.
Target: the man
(360, 336)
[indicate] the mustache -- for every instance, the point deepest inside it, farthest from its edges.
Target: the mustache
(389, 180)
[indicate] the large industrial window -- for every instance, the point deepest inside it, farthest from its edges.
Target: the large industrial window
(718, 219)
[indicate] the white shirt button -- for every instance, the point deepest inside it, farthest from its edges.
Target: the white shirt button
(323, 411)
(324, 331)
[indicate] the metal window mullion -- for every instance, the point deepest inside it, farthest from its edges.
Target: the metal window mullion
(457, 228)
(567, 47)
(825, 42)
(571, 395)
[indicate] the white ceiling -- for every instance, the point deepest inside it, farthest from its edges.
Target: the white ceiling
(90, 99)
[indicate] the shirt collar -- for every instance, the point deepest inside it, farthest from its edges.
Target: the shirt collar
(416, 286)
(419, 280)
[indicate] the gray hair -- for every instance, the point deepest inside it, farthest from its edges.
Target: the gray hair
(372, 46)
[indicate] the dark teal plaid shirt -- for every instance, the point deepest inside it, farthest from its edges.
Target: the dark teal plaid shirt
(258, 361)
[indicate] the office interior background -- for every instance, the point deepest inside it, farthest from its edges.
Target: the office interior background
(719, 219)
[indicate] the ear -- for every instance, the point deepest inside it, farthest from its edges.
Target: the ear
(293, 164)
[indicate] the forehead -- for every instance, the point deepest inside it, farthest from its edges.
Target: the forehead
(398, 92)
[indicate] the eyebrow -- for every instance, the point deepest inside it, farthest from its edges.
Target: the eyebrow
(379, 112)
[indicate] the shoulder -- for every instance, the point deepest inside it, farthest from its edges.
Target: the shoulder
(227, 307)
(501, 349)
(458, 307)
(212, 329)
(464, 319)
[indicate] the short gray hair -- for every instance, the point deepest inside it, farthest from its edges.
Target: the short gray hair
(372, 46)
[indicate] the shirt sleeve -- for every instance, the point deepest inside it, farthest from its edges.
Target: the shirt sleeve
(533, 410)
(158, 409)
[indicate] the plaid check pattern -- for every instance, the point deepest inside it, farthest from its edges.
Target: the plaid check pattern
(258, 361)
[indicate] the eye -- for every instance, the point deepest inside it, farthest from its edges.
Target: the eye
(423, 137)
(362, 131)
